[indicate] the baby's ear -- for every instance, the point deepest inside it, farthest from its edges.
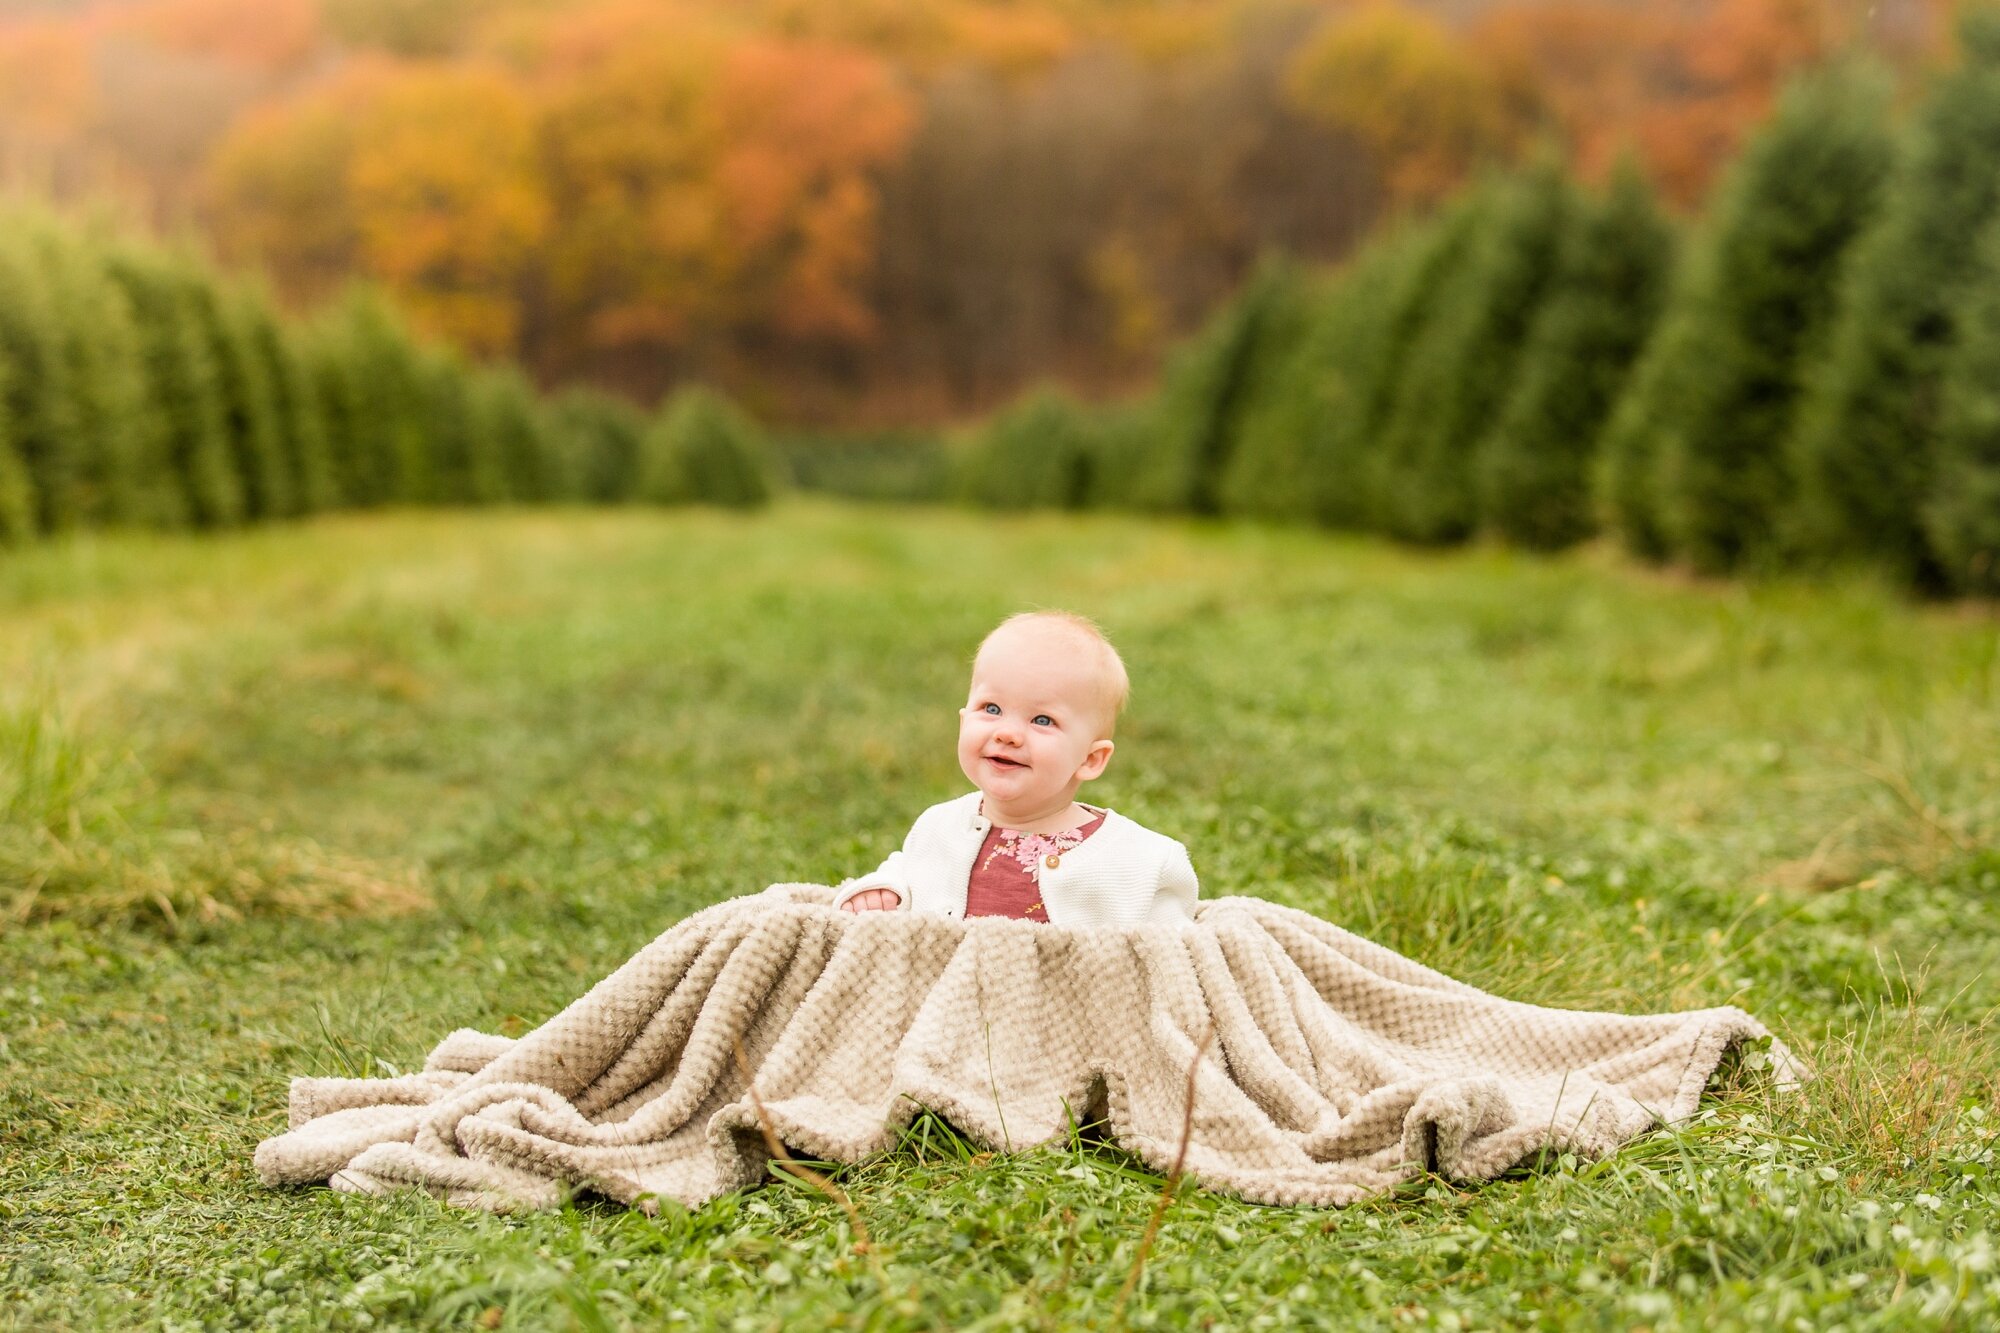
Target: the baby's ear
(1099, 756)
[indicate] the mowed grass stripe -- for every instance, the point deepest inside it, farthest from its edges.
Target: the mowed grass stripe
(303, 800)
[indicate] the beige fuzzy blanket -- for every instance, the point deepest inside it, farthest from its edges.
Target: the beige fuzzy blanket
(1336, 1069)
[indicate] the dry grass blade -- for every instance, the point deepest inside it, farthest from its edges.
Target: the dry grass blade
(862, 1245)
(1893, 775)
(1168, 1188)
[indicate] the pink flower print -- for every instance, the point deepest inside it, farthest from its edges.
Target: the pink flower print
(1029, 848)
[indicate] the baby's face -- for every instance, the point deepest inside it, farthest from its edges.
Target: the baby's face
(1033, 726)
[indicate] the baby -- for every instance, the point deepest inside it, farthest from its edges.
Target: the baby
(1046, 692)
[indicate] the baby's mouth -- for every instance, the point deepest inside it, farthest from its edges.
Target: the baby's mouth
(1004, 763)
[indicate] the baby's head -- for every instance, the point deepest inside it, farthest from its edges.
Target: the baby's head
(1047, 688)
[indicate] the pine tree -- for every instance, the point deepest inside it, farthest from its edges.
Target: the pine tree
(461, 467)
(599, 435)
(117, 440)
(1643, 418)
(322, 351)
(387, 392)
(249, 409)
(1289, 461)
(1462, 360)
(1039, 452)
(1962, 515)
(508, 415)
(1388, 308)
(1784, 218)
(17, 489)
(702, 448)
(1866, 437)
(303, 430)
(1178, 464)
(1534, 469)
(204, 487)
(40, 399)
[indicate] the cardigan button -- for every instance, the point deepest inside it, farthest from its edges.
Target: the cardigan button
(1052, 861)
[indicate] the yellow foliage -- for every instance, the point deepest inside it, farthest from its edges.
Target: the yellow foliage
(1013, 42)
(1136, 316)
(1407, 88)
(448, 200)
(276, 186)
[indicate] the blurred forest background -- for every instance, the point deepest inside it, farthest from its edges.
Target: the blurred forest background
(862, 212)
(1719, 279)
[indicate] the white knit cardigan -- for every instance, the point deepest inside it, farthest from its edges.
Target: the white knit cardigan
(1124, 874)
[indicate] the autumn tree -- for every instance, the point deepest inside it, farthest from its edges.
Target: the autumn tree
(47, 91)
(1402, 82)
(276, 185)
(406, 27)
(271, 37)
(715, 191)
(448, 200)
(1534, 469)
(1684, 83)
(1867, 436)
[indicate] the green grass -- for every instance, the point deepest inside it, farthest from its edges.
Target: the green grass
(303, 800)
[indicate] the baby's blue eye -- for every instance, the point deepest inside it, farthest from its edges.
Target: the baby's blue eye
(989, 708)
(1044, 718)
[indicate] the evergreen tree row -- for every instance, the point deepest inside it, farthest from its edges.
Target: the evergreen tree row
(140, 388)
(1806, 379)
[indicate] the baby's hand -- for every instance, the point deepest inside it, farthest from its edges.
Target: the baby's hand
(873, 900)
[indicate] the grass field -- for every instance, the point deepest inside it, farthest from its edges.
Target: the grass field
(302, 801)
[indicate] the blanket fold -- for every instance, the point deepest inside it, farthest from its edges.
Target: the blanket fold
(1337, 1068)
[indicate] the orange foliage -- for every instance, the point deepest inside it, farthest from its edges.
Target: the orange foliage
(45, 78)
(408, 27)
(709, 181)
(448, 201)
(422, 176)
(1014, 41)
(583, 39)
(806, 124)
(1402, 83)
(271, 36)
(674, 177)
(1683, 83)
(276, 185)
(916, 33)
(630, 146)
(1588, 66)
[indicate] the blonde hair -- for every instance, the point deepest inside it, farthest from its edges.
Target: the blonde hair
(1115, 684)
